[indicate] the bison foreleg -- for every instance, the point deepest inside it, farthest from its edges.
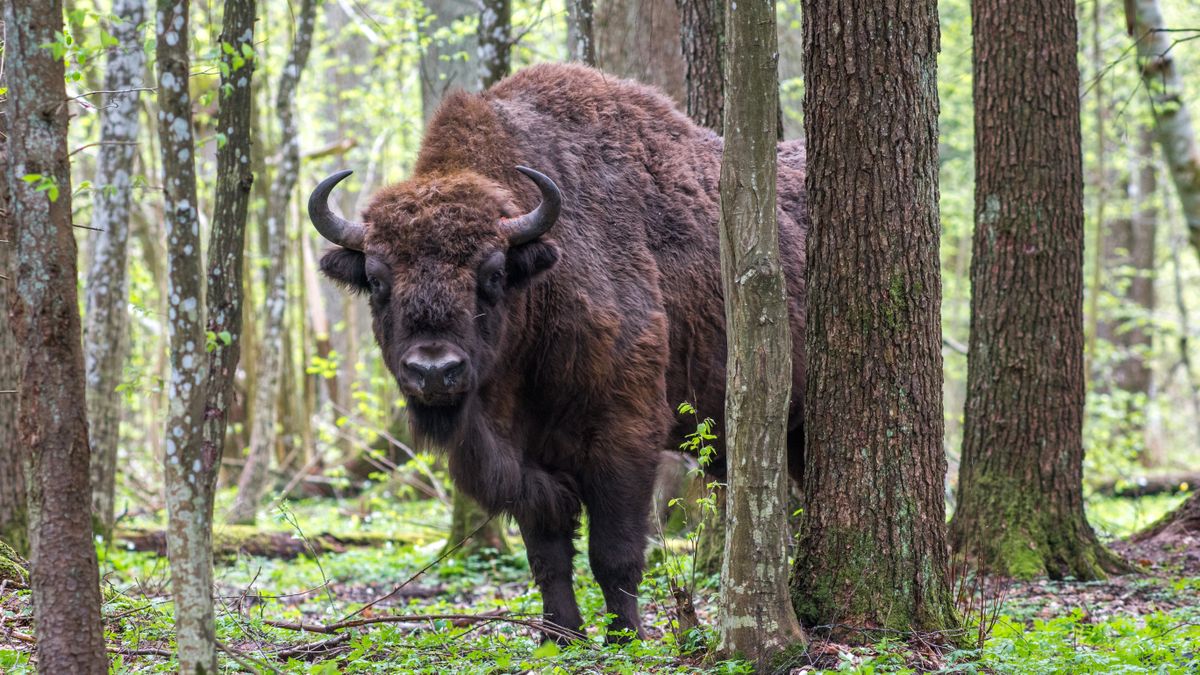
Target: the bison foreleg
(618, 515)
(551, 552)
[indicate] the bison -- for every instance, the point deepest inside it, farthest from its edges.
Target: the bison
(544, 323)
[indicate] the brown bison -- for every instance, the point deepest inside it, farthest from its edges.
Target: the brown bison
(544, 324)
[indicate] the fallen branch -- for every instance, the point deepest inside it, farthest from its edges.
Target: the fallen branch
(550, 629)
(1144, 486)
(232, 540)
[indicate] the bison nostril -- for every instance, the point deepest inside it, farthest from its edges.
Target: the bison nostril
(432, 372)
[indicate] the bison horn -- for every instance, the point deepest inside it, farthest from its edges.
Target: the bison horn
(527, 228)
(338, 230)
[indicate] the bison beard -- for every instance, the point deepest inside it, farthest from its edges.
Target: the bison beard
(544, 327)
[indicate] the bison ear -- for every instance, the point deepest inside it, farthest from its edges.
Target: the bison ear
(524, 263)
(347, 269)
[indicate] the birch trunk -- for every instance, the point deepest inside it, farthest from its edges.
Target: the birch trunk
(581, 45)
(105, 337)
(44, 310)
(757, 619)
(495, 41)
(1172, 119)
(186, 464)
(872, 551)
(266, 394)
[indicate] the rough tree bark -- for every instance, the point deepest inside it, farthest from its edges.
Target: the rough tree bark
(639, 39)
(441, 69)
(757, 620)
(1020, 496)
(12, 477)
(186, 465)
(1172, 119)
(266, 394)
(44, 310)
(581, 43)
(227, 239)
(105, 339)
(495, 41)
(872, 551)
(701, 36)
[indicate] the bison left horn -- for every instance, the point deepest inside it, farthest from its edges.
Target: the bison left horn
(527, 228)
(340, 231)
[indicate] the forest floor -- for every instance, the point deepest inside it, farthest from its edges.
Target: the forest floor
(478, 615)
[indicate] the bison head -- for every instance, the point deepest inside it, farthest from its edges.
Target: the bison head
(442, 259)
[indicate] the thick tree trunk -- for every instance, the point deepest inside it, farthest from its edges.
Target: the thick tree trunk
(441, 70)
(495, 41)
(262, 434)
(105, 340)
(702, 37)
(581, 43)
(872, 550)
(1020, 499)
(757, 620)
(1172, 119)
(13, 517)
(639, 39)
(51, 418)
(186, 465)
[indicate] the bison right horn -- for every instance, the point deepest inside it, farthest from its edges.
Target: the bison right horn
(338, 230)
(527, 228)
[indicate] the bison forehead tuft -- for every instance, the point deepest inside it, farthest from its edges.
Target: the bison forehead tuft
(452, 216)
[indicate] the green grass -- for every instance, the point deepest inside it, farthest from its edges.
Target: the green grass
(325, 589)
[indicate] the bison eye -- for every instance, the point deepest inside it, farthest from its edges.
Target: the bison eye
(377, 285)
(491, 277)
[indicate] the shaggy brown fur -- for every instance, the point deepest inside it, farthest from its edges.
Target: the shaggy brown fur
(580, 345)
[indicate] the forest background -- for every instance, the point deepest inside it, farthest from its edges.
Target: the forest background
(332, 426)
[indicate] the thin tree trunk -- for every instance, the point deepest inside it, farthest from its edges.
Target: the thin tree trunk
(227, 240)
(44, 311)
(581, 43)
(872, 550)
(1172, 119)
(13, 516)
(262, 435)
(186, 467)
(105, 338)
(1020, 495)
(495, 41)
(702, 37)
(441, 70)
(757, 619)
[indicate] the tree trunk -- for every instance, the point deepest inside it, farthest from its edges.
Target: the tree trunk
(441, 70)
(105, 339)
(1020, 500)
(872, 551)
(1129, 258)
(44, 311)
(495, 41)
(227, 240)
(1172, 120)
(262, 434)
(757, 620)
(702, 36)
(581, 45)
(186, 465)
(13, 517)
(639, 39)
